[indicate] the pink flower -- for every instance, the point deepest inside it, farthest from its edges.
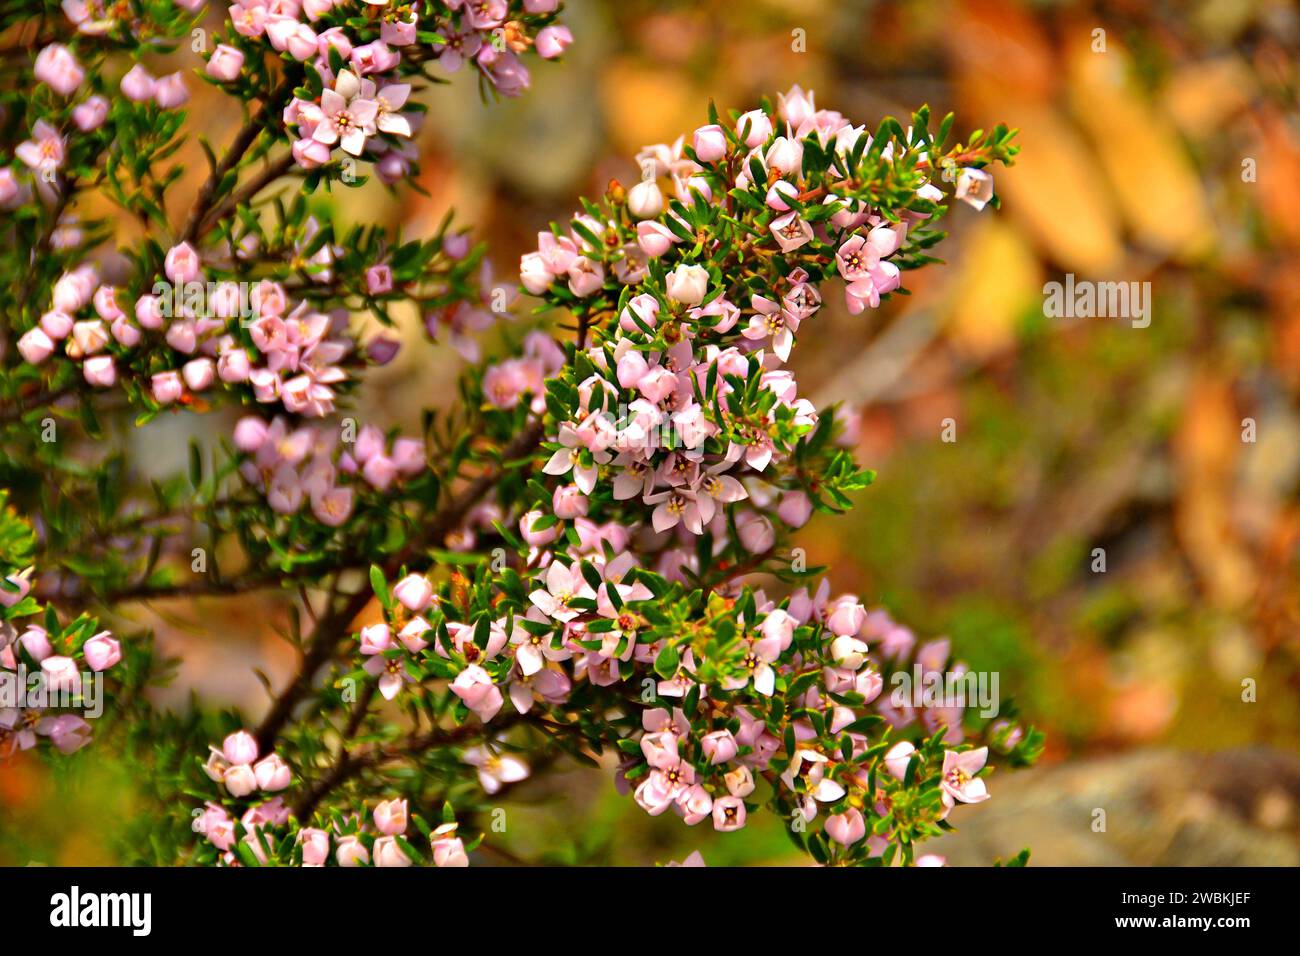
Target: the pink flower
(35, 346)
(315, 845)
(846, 617)
(756, 533)
(272, 773)
(101, 651)
(379, 279)
(170, 92)
(44, 152)
(448, 849)
(568, 502)
(688, 284)
(586, 277)
(181, 264)
(719, 746)
(346, 118)
(138, 84)
(959, 782)
(728, 814)
(553, 41)
(351, 852)
(100, 371)
(710, 143)
(897, 758)
(474, 686)
(225, 63)
(34, 640)
(791, 232)
(414, 592)
(61, 674)
(389, 853)
(239, 748)
(754, 128)
(496, 770)
(974, 187)
(645, 200)
(563, 585)
(68, 732)
(846, 828)
(391, 817)
(655, 238)
(58, 69)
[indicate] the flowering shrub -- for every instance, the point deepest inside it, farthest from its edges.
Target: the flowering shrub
(590, 557)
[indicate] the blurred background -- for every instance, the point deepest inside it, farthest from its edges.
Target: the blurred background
(1161, 143)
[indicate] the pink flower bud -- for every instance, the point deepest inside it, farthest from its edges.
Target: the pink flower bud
(755, 127)
(148, 312)
(414, 592)
(846, 828)
(35, 641)
(167, 386)
(846, 617)
(240, 780)
(170, 92)
(645, 200)
(688, 284)
(61, 674)
(539, 538)
(239, 747)
(100, 371)
(379, 279)
(225, 63)
(448, 849)
(552, 41)
(315, 846)
(35, 346)
(390, 817)
(126, 333)
(569, 502)
(58, 69)
(897, 758)
(250, 433)
(379, 472)
(375, 639)
(351, 852)
(233, 366)
(710, 143)
(654, 238)
(795, 509)
(182, 264)
(389, 853)
(90, 115)
(199, 373)
(272, 773)
(408, 455)
(138, 84)
(68, 732)
(101, 652)
(756, 534)
(719, 746)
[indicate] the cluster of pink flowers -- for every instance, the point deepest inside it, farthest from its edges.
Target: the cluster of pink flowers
(307, 464)
(297, 351)
(235, 766)
(507, 382)
(61, 673)
(360, 108)
(348, 843)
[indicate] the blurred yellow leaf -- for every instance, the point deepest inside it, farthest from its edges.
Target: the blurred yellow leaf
(997, 280)
(1152, 177)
